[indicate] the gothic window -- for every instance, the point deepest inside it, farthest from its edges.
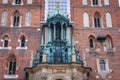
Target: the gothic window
(95, 2)
(97, 20)
(29, 1)
(119, 2)
(5, 41)
(106, 2)
(28, 18)
(84, 2)
(102, 65)
(12, 65)
(4, 1)
(4, 18)
(86, 19)
(108, 20)
(50, 7)
(16, 19)
(22, 42)
(92, 42)
(108, 43)
(18, 1)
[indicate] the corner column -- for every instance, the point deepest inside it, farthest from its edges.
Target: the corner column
(62, 32)
(44, 58)
(54, 32)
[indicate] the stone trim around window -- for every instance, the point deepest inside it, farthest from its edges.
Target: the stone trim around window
(13, 3)
(106, 66)
(2, 47)
(19, 47)
(10, 76)
(99, 4)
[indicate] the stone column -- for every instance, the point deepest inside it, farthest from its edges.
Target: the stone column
(31, 59)
(44, 57)
(49, 34)
(62, 32)
(73, 57)
(54, 32)
(68, 34)
(84, 58)
(42, 40)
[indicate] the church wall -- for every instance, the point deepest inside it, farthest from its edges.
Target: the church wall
(81, 34)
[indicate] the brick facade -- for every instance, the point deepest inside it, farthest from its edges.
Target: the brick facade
(82, 34)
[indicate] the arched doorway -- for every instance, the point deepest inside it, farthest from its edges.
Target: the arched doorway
(59, 78)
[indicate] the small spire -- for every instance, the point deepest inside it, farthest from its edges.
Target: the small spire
(57, 4)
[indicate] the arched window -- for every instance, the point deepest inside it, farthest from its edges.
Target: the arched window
(12, 65)
(95, 2)
(16, 19)
(22, 42)
(86, 19)
(106, 2)
(28, 18)
(97, 20)
(108, 43)
(5, 41)
(108, 20)
(119, 2)
(84, 2)
(18, 1)
(4, 1)
(29, 1)
(102, 64)
(92, 42)
(4, 18)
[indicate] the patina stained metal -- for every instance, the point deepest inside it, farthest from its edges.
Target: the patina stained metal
(58, 50)
(101, 37)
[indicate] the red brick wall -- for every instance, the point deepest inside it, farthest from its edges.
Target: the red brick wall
(31, 34)
(36, 9)
(22, 55)
(81, 34)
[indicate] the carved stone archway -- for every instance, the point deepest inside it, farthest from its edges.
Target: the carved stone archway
(59, 78)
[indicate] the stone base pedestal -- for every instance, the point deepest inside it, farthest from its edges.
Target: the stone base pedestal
(46, 71)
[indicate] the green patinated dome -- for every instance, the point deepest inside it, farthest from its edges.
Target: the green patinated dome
(57, 16)
(57, 11)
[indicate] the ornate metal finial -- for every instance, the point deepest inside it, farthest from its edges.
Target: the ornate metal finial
(57, 4)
